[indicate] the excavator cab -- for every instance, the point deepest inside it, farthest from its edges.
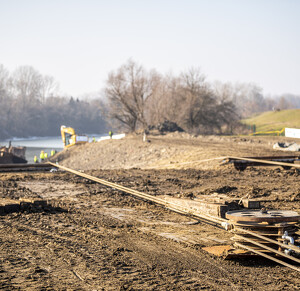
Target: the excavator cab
(70, 138)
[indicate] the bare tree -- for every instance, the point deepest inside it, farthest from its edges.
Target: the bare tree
(197, 101)
(162, 104)
(26, 83)
(49, 87)
(4, 74)
(5, 102)
(29, 86)
(128, 90)
(29, 106)
(283, 103)
(227, 117)
(190, 101)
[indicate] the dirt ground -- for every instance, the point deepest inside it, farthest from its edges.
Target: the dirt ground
(91, 237)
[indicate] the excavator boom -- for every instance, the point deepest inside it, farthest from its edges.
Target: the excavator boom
(70, 138)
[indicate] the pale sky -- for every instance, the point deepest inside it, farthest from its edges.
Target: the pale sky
(79, 42)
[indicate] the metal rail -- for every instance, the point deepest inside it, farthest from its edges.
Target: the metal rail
(207, 218)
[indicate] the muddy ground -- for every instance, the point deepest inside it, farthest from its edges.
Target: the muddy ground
(91, 237)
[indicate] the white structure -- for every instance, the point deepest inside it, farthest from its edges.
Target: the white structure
(292, 132)
(115, 136)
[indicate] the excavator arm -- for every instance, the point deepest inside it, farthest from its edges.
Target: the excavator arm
(69, 137)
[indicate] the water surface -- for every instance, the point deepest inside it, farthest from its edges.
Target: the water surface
(34, 145)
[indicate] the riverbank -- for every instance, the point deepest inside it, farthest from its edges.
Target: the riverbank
(34, 145)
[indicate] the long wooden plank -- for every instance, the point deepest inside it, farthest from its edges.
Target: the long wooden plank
(268, 248)
(172, 206)
(293, 247)
(265, 162)
(152, 198)
(268, 257)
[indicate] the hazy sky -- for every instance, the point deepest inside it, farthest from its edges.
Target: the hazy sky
(79, 42)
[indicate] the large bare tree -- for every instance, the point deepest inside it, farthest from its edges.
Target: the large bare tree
(198, 101)
(227, 117)
(128, 90)
(165, 102)
(30, 86)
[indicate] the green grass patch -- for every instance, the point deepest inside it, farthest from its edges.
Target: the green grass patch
(275, 120)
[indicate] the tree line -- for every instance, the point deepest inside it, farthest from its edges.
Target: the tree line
(138, 98)
(31, 106)
(133, 98)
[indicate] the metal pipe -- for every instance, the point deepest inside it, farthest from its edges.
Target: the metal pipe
(287, 237)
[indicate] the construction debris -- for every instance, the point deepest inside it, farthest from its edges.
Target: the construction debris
(241, 163)
(12, 155)
(166, 126)
(284, 146)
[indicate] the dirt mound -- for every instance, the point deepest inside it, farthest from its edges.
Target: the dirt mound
(174, 150)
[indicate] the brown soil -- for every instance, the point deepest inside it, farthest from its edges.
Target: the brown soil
(174, 150)
(91, 237)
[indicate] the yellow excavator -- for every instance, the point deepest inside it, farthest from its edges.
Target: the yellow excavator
(70, 138)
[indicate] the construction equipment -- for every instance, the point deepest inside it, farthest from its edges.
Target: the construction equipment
(12, 155)
(269, 233)
(70, 138)
(272, 132)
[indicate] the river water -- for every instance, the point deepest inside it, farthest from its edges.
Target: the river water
(34, 145)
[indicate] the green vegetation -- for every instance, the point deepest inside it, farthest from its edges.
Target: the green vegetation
(275, 120)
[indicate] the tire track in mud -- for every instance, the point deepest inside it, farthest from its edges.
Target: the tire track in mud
(88, 247)
(143, 268)
(62, 234)
(201, 256)
(61, 239)
(54, 265)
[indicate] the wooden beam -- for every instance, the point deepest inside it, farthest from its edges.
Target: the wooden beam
(265, 162)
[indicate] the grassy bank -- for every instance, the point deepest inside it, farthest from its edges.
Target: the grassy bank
(275, 120)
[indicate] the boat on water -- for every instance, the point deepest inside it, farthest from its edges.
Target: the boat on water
(12, 155)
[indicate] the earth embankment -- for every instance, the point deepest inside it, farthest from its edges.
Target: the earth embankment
(174, 150)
